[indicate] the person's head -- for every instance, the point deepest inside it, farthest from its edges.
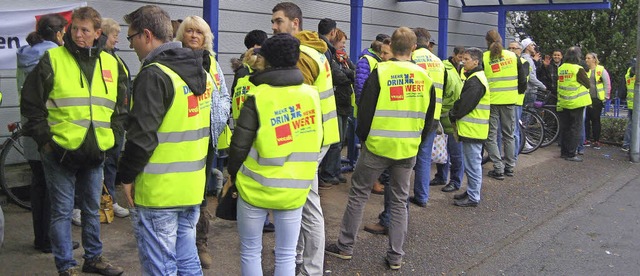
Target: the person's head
(573, 55)
(422, 37)
(195, 33)
(85, 26)
(286, 17)
(385, 49)
(149, 27)
(528, 46)
(457, 54)
(251, 58)
(255, 38)
(472, 58)
(339, 40)
(175, 24)
(280, 51)
(376, 46)
(382, 37)
(111, 29)
(403, 42)
(557, 56)
(327, 27)
(494, 44)
(514, 46)
(50, 27)
(592, 60)
(432, 44)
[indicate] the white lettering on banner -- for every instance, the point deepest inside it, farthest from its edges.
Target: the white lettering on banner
(16, 25)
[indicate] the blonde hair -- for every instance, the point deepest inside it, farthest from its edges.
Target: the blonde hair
(254, 61)
(595, 57)
(196, 22)
(109, 26)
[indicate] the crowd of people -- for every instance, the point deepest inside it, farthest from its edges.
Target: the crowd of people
(291, 98)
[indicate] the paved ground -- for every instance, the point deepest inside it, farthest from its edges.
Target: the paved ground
(553, 218)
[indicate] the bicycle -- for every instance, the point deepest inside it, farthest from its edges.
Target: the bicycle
(549, 116)
(15, 172)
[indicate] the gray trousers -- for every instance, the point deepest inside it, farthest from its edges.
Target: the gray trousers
(368, 169)
(503, 116)
(310, 249)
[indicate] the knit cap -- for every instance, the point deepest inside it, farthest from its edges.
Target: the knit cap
(281, 50)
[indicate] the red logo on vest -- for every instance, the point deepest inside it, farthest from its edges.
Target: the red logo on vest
(106, 75)
(192, 105)
(283, 134)
(495, 67)
(397, 93)
(423, 65)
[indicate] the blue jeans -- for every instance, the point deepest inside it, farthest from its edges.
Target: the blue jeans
(111, 166)
(423, 169)
(332, 162)
(250, 223)
(167, 240)
(454, 164)
(516, 132)
(627, 134)
(472, 153)
(62, 183)
(583, 134)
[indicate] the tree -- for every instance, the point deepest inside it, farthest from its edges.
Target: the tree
(609, 33)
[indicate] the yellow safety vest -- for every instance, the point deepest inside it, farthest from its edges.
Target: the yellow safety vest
(76, 104)
(324, 84)
(282, 162)
(475, 125)
(372, 62)
(571, 94)
(122, 64)
(502, 75)
(240, 93)
(599, 83)
(631, 82)
(400, 111)
(213, 70)
(175, 174)
(435, 69)
(450, 95)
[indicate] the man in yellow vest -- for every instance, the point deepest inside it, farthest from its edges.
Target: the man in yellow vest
(470, 114)
(73, 100)
(163, 165)
(286, 17)
(629, 88)
(396, 111)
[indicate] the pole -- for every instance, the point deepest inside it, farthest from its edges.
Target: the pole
(356, 30)
(634, 149)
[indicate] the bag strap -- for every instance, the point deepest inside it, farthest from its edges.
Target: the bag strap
(104, 188)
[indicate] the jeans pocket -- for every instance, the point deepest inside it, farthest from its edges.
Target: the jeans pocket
(164, 223)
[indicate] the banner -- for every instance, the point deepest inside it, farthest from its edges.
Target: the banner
(17, 24)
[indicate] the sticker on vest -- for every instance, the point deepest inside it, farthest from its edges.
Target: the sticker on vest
(292, 117)
(403, 86)
(239, 95)
(193, 106)
(106, 75)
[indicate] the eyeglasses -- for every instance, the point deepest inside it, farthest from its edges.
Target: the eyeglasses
(129, 38)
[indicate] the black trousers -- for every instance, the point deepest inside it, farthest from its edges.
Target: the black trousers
(571, 123)
(40, 206)
(592, 120)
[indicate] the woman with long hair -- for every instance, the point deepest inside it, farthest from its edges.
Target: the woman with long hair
(600, 87)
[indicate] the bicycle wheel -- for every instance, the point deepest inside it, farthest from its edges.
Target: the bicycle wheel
(533, 129)
(15, 172)
(551, 125)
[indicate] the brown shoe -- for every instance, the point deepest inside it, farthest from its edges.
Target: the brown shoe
(206, 261)
(378, 188)
(102, 266)
(69, 272)
(376, 229)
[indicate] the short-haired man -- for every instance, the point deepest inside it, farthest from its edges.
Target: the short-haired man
(167, 142)
(470, 114)
(315, 67)
(455, 59)
(395, 114)
(75, 98)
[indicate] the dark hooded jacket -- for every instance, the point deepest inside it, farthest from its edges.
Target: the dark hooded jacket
(35, 93)
(153, 89)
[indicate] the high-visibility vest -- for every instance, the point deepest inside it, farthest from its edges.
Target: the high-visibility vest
(126, 71)
(502, 75)
(475, 125)
(450, 95)
(213, 70)
(599, 84)
(282, 162)
(463, 77)
(435, 69)
(76, 104)
(524, 62)
(175, 174)
(571, 94)
(400, 111)
(630, 82)
(324, 84)
(240, 93)
(372, 62)
(224, 140)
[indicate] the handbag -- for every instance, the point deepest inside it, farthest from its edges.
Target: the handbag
(439, 152)
(227, 208)
(106, 206)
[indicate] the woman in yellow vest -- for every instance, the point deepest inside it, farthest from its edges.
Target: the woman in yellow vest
(600, 87)
(273, 155)
(628, 91)
(196, 34)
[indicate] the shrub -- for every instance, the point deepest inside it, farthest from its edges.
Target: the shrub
(613, 130)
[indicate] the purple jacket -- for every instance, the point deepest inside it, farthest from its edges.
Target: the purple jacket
(363, 69)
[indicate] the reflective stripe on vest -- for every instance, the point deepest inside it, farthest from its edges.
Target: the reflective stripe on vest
(630, 83)
(599, 84)
(281, 165)
(502, 75)
(175, 174)
(571, 94)
(75, 104)
(475, 125)
(324, 84)
(400, 111)
(435, 69)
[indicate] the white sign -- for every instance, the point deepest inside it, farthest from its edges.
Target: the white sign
(17, 24)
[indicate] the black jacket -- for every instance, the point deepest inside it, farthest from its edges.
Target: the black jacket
(472, 92)
(35, 94)
(248, 123)
(342, 78)
(369, 101)
(153, 94)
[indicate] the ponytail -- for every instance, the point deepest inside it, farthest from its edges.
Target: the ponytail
(494, 42)
(34, 38)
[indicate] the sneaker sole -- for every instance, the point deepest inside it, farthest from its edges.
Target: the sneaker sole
(339, 256)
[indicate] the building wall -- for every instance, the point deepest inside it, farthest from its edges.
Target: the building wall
(237, 17)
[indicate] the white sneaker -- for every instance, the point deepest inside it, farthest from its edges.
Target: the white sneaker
(76, 217)
(120, 211)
